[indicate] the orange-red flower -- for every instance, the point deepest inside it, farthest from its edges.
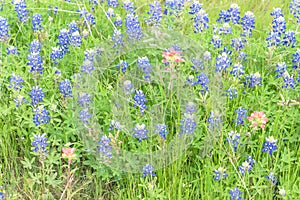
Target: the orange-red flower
(69, 153)
(258, 119)
(172, 56)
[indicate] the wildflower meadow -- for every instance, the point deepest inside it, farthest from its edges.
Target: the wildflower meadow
(145, 99)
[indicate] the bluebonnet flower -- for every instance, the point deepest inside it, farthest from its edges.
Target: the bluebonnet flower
(84, 115)
(237, 70)
(225, 50)
(207, 55)
(216, 41)
(247, 165)
(36, 95)
(280, 69)
(19, 100)
(296, 59)
(234, 13)
(235, 194)
(202, 79)
(295, 9)
(35, 47)
(118, 22)
(128, 87)
(173, 7)
(84, 100)
(40, 143)
(251, 160)
(225, 29)
(188, 124)
(123, 65)
(41, 115)
(57, 71)
(129, 6)
(272, 178)
(232, 93)
(224, 16)
(270, 145)
(113, 3)
(298, 79)
(35, 61)
(87, 66)
(174, 48)
(162, 130)
(12, 50)
(238, 43)
(21, 9)
(288, 81)
(201, 21)
(4, 28)
(155, 13)
(273, 39)
(197, 64)
(279, 25)
(233, 139)
(118, 38)
(1, 193)
(139, 100)
(104, 147)
(56, 54)
(220, 174)
(241, 115)
(223, 62)
(110, 12)
(55, 10)
(242, 56)
(36, 22)
(144, 64)
(195, 7)
(90, 55)
(16, 82)
(190, 108)
(253, 80)
(140, 132)
(190, 80)
(114, 125)
(148, 170)
(64, 40)
(289, 39)
(77, 77)
(65, 88)
(95, 2)
(73, 27)
(214, 120)
(75, 39)
(88, 18)
(248, 23)
(49, 10)
(133, 28)
(276, 13)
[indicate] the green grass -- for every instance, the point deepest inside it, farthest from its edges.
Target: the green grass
(27, 175)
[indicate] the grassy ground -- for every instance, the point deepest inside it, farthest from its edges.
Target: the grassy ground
(29, 175)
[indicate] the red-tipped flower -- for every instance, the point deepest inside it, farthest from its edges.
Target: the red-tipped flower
(69, 153)
(172, 56)
(258, 119)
